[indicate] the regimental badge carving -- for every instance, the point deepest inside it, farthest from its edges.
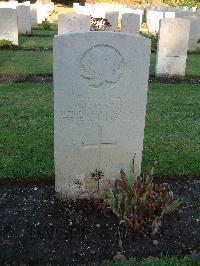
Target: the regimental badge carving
(102, 66)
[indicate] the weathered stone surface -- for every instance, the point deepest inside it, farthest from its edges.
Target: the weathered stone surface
(8, 25)
(100, 84)
(73, 22)
(130, 23)
(172, 47)
(24, 19)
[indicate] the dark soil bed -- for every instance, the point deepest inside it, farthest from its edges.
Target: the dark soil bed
(38, 229)
(48, 78)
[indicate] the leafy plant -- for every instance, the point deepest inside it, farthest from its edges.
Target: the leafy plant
(6, 44)
(181, 3)
(138, 203)
(46, 25)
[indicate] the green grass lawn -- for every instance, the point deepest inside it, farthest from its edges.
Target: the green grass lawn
(41, 62)
(36, 41)
(173, 129)
(26, 130)
(155, 262)
(192, 67)
(39, 38)
(25, 62)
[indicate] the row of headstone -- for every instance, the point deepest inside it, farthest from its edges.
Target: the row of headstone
(100, 10)
(19, 18)
(153, 17)
(100, 85)
(130, 23)
(73, 22)
(153, 14)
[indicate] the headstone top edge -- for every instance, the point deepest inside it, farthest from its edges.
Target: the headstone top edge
(105, 33)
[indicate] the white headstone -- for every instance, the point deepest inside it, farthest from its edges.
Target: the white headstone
(100, 84)
(75, 5)
(153, 20)
(97, 12)
(73, 22)
(8, 25)
(44, 10)
(172, 47)
(112, 17)
(130, 23)
(139, 12)
(24, 19)
(10, 4)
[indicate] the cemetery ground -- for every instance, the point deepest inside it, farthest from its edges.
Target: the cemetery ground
(39, 229)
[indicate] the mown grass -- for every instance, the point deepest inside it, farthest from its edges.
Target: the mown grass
(155, 262)
(39, 38)
(192, 65)
(41, 62)
(26, 130)
(173, 129)
(25, 62)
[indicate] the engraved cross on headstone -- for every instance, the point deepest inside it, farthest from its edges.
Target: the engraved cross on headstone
(99, 145)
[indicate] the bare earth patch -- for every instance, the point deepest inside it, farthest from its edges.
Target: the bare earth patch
(37, 229)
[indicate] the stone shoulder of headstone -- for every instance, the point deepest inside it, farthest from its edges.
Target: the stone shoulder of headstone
(100, 96)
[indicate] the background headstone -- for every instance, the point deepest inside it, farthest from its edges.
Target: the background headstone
(73, 22)
(194, 35)
(34, 20)
(153, 20)
(24, 19)
(172, 47)
(130, 23)
(112, 17)
(8, 25)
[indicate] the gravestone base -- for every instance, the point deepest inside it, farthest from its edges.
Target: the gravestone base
(171, 67)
